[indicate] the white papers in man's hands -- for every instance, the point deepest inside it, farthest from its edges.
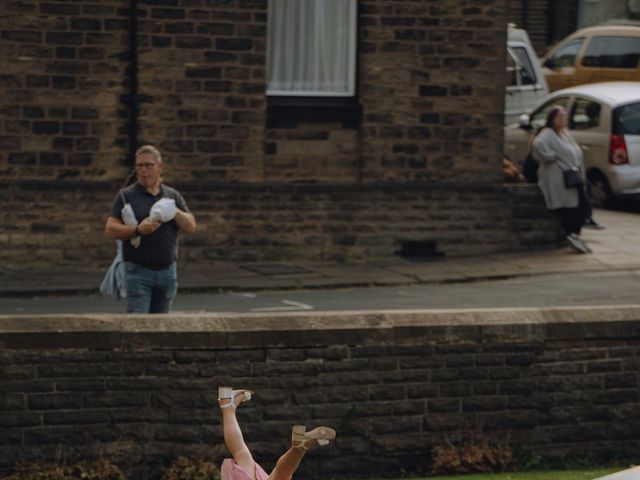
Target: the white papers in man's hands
(164, 210)
(129, 218)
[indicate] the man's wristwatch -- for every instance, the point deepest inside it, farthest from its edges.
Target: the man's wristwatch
(137, 233)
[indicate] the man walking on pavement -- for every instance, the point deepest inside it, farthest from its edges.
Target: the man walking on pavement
(147, 216)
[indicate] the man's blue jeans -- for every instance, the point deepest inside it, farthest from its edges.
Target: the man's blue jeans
(150, 291)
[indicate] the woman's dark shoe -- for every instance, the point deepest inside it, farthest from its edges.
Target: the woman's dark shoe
(591, 223)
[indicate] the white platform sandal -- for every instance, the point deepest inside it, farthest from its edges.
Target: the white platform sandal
(228, 393)
(300, 436)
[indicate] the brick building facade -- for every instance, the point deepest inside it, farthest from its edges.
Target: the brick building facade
(418, 161)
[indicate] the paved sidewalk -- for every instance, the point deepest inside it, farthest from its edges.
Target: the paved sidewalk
(616, 248)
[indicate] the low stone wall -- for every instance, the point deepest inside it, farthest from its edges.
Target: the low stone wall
(563, 383)
(62, 224)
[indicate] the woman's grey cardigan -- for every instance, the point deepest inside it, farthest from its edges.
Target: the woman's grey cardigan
(555, 153)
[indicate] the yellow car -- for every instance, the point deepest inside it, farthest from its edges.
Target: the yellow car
(595, 54)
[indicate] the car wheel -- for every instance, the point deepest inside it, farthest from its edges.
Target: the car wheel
(601, 194)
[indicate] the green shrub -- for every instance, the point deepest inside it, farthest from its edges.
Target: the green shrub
(185, 468)
(94, 470)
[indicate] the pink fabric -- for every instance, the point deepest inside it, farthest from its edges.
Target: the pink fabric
(232, 471)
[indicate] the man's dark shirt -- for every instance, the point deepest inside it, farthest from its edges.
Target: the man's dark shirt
(157, 250)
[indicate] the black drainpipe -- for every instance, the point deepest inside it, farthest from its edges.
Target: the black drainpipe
(133, 82)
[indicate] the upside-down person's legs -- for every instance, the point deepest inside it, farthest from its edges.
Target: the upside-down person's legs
(233, 437)
(301, 441)
(287, 464)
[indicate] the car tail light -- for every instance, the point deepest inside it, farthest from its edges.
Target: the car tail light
(618, 150)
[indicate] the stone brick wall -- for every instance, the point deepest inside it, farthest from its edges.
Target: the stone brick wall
(202, 75)
(63, 76)
(431, 120)
(432, 109)
(63, 223)
(562, 383)
(433, 101)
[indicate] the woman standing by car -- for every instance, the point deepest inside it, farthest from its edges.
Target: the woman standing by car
(558, 153)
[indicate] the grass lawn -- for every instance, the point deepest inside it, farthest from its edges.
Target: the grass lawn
(547, 475)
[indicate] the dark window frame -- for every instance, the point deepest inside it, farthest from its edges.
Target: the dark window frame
(284, 111)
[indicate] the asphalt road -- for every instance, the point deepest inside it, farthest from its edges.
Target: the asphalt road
(620, 287)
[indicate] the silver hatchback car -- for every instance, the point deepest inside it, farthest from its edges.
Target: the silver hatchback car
(604, 119)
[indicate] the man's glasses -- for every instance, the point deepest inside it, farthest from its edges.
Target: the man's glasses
(142, 166)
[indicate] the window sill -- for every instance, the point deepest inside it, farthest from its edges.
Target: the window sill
(286, 112)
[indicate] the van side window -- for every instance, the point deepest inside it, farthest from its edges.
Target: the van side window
(512, 70)
(527, 72)
(539, 117)
(585, 114)
(612, 52)
(565, 56)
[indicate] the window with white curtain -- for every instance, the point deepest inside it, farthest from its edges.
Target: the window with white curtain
(311, 48)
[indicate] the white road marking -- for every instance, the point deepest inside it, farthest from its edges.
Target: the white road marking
(291, 305)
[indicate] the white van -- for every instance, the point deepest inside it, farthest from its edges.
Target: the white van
(525, 83)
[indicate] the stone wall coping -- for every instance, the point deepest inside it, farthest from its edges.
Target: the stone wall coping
(197, 330)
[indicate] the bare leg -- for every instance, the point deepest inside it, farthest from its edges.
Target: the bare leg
(287, 464)
(234, 440)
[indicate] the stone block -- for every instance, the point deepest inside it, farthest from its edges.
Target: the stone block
(26, 386)
(20, 419)
(53, 401)
(444, 405)
(233, 44)
(78, 370)
(115, 399)
(447, 422)
(172, 400)
(199, 42)
(138, 415)
(509, 420)
(483, 403)
(22, 36)
(80, 385)
(77, 417)
(17, 372)
(604, 366)
(404, 425)
(15, 401)
(622, 380)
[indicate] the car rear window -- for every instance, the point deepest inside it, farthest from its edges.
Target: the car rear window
(612, 52)
(626, 119)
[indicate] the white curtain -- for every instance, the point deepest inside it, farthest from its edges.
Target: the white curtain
(311, 47)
